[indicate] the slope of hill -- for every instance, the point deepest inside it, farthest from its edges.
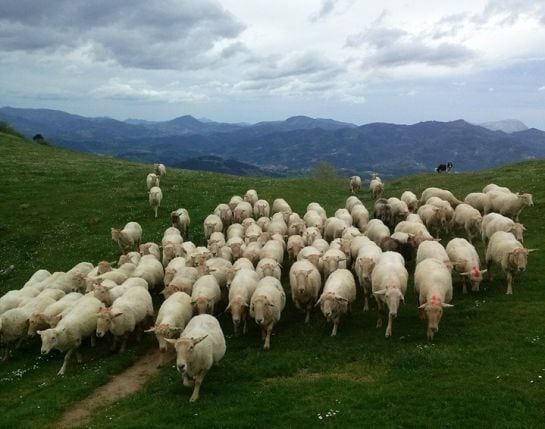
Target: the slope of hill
(507, 125)
(485, 365)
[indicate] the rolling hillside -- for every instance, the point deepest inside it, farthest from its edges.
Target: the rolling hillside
(484, 368)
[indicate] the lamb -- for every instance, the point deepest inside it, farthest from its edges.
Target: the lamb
(355, 184)
(338, 294)
(305, 283)
(173, 316)
(377, 231)
(233, 202)
(360, 217)
(183, 281)
(433, 286)
(212, 223)
(206, 294)
(160, 169)
(507, 252)
(52, 314)
(332, 260)
(251, 196)
(152, 180)
(132, 309)
(129, 236)
(79, 323)
(469, 219)
(410, 199)
(151, 270)
(200, 346)
(493, 222)
(376, 187)
(241, 290)
(181, 220)
(269, 267)
(389, 280)
(465, 260)
(508, 204)
(479, 201)
(334, 228)
(242, 211)
(441, 193)
(266, 306)
(295, 244)
(155, 196)
(367, 256)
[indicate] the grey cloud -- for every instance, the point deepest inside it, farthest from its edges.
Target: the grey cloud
(326, 8)
(171, 34)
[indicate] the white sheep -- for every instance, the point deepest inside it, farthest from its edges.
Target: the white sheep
(413, 217)
(131, 310)
(389, 283)
(334, 228)
(172, 268)
(108, 291)
(479, 201)
(493, 222)
(318, 209)
(17, 297)
(337, 296)
(181, 220)
(377, 231)
(433, 286)
(159, 169)
(251, 196)
(469, 219)
(376, 187)
(280, 205)
(237, 246)
(200, 346)
(38, 277)
(274, 250)
(440, 193)
(278, 226)
(445, 208)
(311, 234)
(243, 210)
(399, 208)
(410, 199)
(312, 254)
(150, 248)
(174, 314)
(355, 184)
(152, 180)
(79, 323)
(305, 284)
(414, 228)
(52, 314)
(262, 209)
(494, 187)
(269, 267)
(432, 249)
(507, 252)
(351, 202)
(151, 270)
(296, 225)
(509, 204)
(465, 261)
(360, 217)
(321, 245)
(155, 196)
(252, 233)
(294, 246)
(224, 212)
(211, 224)
(241, 290)
(233, 202)
(266, 306)
(332, 260)
(344, 215)
(252, 251)
(131, 257)
(183, 281)
(206, 294)
(368, 254)
(215, 242)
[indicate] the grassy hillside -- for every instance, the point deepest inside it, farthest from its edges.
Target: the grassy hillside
(484, 368)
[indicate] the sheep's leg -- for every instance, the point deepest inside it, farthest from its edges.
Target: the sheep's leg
(245, 326)
(464, 285)
(123, 344)
(18, 344)
(509, 283)
(263, 333)
(198, 381)
(93, 340)
(267, 344)
(79, 359)
(335, 327)
(7, 354)
(379, 313)
(389, 327)
(114, 343)
(307, 318)
(65, 363)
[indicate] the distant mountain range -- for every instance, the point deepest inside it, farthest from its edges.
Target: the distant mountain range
(289, 147)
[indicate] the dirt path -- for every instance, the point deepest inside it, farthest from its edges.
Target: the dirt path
(129, 381)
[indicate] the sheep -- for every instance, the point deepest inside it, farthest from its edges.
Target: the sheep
(263, 222)
(433, 286)
(296, 225)
(252, 251)
(233, 202)
(16, 298)
(274, 250)
(294, 246)
(447, 208)
(399, 209)
(215, 242)
(434, 218)
(376, 187)
(334, 228)
(129, 236)
(150, 248)
(243, 263)
(200, 346)
(344, 215)
(311, 234)
(47, 282)
(38, 277)
(413, 217)
(172, 268)
(377, 231)
(410, 199)
(237, 246)
(252, 233)
(332, 260)
(155, 196)
(159, 169)
(152, 180)
(355, 184)
(321, 245)
(199, 257)
(494, 187)
(415, 229)
(469, 219)
(211, 224)
(337, 296)
(360, 217)
(355, 245)
(251, 196)
(493, 222)
(278, 226)
(173, 316)
(268, 267)
(266, 306)
(183, 281)
(242, 211)
(312, 254)
(218, 268)
(441, 193)
(108, 291)
(262, 208)
(313, 219)
(52, 314)
(389, 284)
(206, 294)
(151, 270)
(14, 322)
(79, 323)
(351, 202)
(465, 261)
(181, 220)
(383, 211)
(132, 309)
(305, 284)
(72, 280)
(246, 223)
(280, 205)
(433, 249)
(86, 284)
(507, 252)
(479, 201)
(171, 235)
(241, 290)
(367, 256)
(318, 209)
(508, 204)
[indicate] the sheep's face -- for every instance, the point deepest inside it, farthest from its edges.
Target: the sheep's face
(35, 322)
(301, 281)
(104, 267)
(104, 322)
(239, 310)
(50, 339)
(185, 348)
(268, 269)
(260, 310)
(518, 231)
(475, 278)
(518, 259)
(434, 312)
(201, 305)
(333, 306)
(393, 297)
(527, 199)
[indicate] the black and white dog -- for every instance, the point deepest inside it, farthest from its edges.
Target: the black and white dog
(441, 168)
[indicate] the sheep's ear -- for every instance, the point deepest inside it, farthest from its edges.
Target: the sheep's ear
(380, 292)
(152, 329)
(39, 333)
(117, 315)
(532, 250)
(465, 274)
(198, 340)
(423, 305)
(341, 299)
(484, 271)
(318, 302)
(171, 341)
(444, 304)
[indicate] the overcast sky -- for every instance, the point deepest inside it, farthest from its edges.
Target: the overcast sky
(360, 61)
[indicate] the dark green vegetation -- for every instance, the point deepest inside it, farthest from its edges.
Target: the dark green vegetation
(290, 147)
(485, 367)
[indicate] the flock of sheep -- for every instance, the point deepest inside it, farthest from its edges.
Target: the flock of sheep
(239, 269)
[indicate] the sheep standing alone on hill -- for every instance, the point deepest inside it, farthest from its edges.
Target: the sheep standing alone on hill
(152, 180)
(376, 187)
(181, 220)
(355, 184)
(128, 237)
(155, 196)
(159, 169)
